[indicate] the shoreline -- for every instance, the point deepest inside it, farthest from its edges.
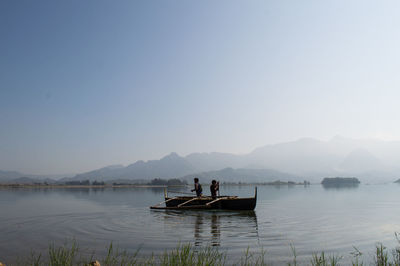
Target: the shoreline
(79, 186)
(275, 183)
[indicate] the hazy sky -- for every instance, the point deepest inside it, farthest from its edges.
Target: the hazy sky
(85, 84)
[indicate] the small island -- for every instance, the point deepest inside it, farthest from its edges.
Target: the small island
(340, 181)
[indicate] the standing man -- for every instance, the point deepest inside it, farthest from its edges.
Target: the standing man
(214, 188)
(197, 187)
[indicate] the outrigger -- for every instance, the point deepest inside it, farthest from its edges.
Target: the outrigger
(205, 202)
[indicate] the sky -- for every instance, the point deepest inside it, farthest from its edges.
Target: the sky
(86, 84)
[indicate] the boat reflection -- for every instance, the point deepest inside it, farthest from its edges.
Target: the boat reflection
(215, 230)
(211, 227)
(198, 230)
(208, 226)
(340, 186)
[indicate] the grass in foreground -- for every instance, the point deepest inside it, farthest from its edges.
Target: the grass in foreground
(185, 254)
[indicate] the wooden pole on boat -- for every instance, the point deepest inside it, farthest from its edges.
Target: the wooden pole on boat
(165, 201)
(180, 205)
(211, 202)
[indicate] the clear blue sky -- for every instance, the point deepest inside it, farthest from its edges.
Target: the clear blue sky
(85, 84)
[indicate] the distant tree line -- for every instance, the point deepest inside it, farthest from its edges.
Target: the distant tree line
(84, 183)
(154, 182)
(169, 182)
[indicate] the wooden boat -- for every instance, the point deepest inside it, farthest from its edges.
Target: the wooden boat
(221, 202)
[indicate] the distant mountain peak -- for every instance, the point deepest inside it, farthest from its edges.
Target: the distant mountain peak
(172, 155)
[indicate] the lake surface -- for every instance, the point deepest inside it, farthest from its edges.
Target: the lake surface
(311, 218)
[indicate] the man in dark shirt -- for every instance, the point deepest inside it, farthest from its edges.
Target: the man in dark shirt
(214, 188)
(197, 187)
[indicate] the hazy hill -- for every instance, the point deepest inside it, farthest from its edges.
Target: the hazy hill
(16, 177)
(104, 173)
(215, 161)
(369, 160)
(361, 160)
(302, 157)
(242, 175)
(30, 180)
(170, 166)
(9, 175)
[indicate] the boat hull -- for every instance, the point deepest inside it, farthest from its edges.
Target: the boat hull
(219, 203)
(229, 203)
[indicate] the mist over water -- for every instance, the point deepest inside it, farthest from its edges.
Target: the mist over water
(312, 218)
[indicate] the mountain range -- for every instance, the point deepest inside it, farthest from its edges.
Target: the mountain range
(303, 159)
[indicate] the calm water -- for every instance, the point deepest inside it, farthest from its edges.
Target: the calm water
(311, 218)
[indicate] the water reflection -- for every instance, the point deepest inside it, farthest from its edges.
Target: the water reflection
(98, 189)
(215, 230)
(157, 190)
(339, 186)
(313, 219)
(209, 227)
(198, 230)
